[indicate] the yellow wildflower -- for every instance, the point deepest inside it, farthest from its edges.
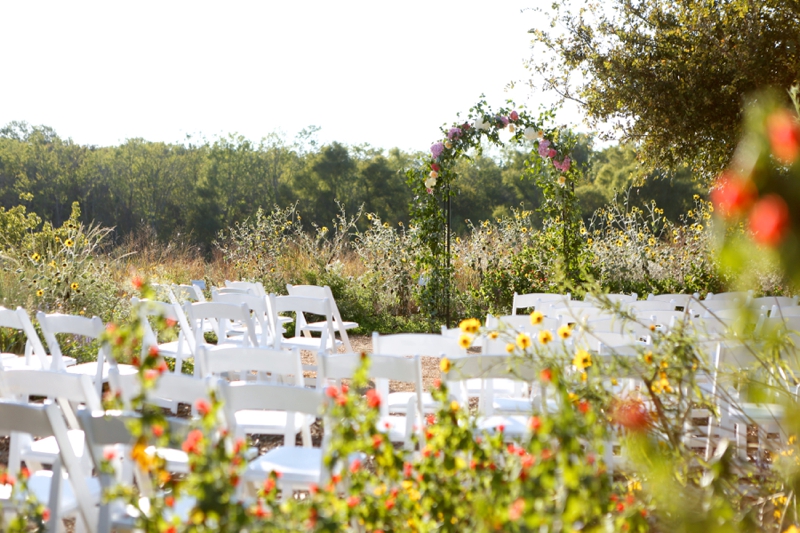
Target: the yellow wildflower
(444, 365)
(510, 347)
(74, 286)
(536, 318)
(69, 243)
(545, 336)
(40, 293)
(470, 325)
(465, 340)
(564, 331)
(582, 360)
(493, 335)
(36, 257)
(523, 341)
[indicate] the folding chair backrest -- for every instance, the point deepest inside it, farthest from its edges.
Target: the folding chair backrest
(668, 319)
(18, 319)
(91, 328)
(231, 290)
(240, 395)
(196, 313)
(424, 344)
(218, 360)
(613, 298)
(188, 293)
(74, 388)
(255, 303)
(300, 305)
(742, 296)
(382, 368)
(534, 300)
(770, 301)
(178, 388)
(618, 325)
(681, 300)
(256, 287)
(521, 323)
(572, 315)
(702, 306)
(491, 366)
(643, 307)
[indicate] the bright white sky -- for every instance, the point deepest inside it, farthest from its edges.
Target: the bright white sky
(378, 72)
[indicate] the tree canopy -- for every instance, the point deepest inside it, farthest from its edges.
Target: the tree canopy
(671, 76)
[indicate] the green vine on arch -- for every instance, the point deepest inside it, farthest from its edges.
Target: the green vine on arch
(431, 182)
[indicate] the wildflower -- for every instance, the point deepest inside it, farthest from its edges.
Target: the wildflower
(564, 332)
(36, 257)
(546, 375)
(158, 430)
(454, 406)
(545, 336)
(202, 406)
(769, 220)
(373, 398)
(537, 318)
(192, 442)
(630, 414)
(535, 423)
(510, 347)
(784, 136)
(465, 340)
(470, 325)
(523, 341)
(40, 293)
(582, 360)
(493, 335)
(516, 509)
(648, 358)
(437, 149)
(444, 365)
(69, 243)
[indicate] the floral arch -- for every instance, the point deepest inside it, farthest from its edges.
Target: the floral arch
(433, 179)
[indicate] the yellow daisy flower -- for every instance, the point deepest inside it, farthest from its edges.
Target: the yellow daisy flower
(582, 360)
(470, 325)
(523, 341)
(564, 332)
(444, 365)
(74, 286)
(545, 336)
(465, 340)
(536, 318)
(69, 243)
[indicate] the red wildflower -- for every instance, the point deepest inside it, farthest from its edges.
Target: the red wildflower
(583, 406)
(24, 473)
(332, 392)
(515, 509)
(171, 322)
(202, 406)
(355, 465)
(389, 504)
(407, 469)
(630, 414)
(769, 220)
(151, 374)
(377, 440)
(7, 479)
(191, 444)
(546, 375)
(269, 484)
(373, 398)
(137, 282)
(158, 430)
(352, 501)
(109, 455)
(437, 383)
(313, 488)
(162, 367)
(153, 351)
(435, 167)
(46, 514)
(169, 501)
(732, 194)
(535, 423)
(784, 136)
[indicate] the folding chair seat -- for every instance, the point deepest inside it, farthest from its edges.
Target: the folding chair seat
(668, 320)
(65, 496)
(89, 328)
(534, 300)
(382, 368)
(35, 354)
(315, 291)
(299, 467)
(413, 344)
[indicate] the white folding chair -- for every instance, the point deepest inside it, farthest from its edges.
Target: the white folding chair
(257, 305)
(575, 314)
(256, 287)
(35, 354)
(770, 302)
(488, 369)
(534, 300)
(299, 467)
(315, 291)
(414, 344)
(301, 304)
(382, 368)
(644, 307)
(178, 349)
(283, 367)
(613, 298)
(680, 300)
(742, 296)
(170, 390)
(224, 315)
(668, 320)
(65, 496)
(69, 391)
(111, 429)
(89, 328)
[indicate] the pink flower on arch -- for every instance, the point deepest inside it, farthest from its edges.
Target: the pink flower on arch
(514, 116)
(437, 150)
(454, 133)
(564, 165)
(504, 120)
(544, 144)
(552, 153)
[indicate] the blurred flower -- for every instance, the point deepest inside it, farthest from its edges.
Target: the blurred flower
(582, 360)
(454, 133)
(545, 336)
(769, 220)
(523, 341)
(514, 116)
(530, 133)
(564, 331)
(69, 243)
(536, 318)
(784, 135)
(630, 414)
(470, 325)
(437, 149)
(733, 194)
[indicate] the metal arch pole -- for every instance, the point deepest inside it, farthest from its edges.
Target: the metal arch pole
(448, 260)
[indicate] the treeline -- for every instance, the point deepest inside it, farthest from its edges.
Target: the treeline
(199, 188)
